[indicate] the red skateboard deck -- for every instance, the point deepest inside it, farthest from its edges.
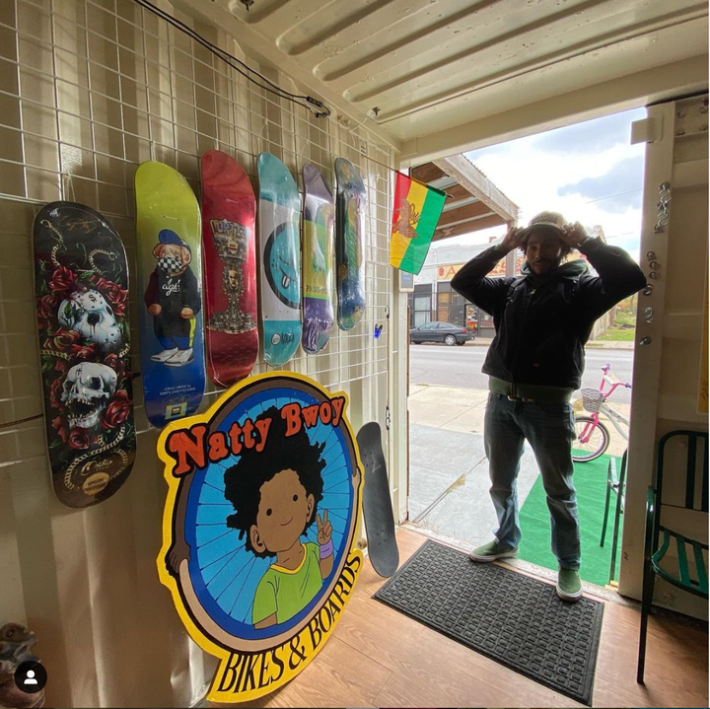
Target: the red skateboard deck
(229, 253)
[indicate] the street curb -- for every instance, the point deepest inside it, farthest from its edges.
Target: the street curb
(599, 345)
(594, 345)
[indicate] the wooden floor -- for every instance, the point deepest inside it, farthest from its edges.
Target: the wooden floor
(378, 657)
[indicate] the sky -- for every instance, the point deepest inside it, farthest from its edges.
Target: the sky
(587, 171)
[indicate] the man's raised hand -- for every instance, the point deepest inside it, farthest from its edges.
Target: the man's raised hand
(573, 234)
(512, 239)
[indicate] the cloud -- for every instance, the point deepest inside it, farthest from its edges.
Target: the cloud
(539, 173)
(613, 192)
(591, 136)
(631, 244)
(498, 149)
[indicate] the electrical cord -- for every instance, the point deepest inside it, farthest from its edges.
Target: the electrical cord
(318, 108)
(19, 421)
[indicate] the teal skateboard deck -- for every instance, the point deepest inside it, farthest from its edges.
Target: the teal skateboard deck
(318, 221)
(279, 246)
(377, 502)
(170, 282)
(350, 244)
(81, 284)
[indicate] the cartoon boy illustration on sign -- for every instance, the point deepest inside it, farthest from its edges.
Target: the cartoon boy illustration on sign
(275, 494)
(261, 526)
(173, 299)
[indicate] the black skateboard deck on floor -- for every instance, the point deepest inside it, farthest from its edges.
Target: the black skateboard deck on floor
(377, 503)
(81, 284)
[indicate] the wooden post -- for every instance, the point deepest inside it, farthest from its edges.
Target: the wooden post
(512, 257)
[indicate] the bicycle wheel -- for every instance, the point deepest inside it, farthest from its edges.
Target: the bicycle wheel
(592, 440)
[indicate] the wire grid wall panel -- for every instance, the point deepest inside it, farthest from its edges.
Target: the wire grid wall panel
(89, 89)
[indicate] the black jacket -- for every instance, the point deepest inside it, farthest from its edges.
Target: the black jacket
(542, 324)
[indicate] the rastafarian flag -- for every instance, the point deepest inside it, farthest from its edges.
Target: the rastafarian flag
(417, 208)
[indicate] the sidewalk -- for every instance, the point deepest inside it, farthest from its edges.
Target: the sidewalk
(462, 409)
(448, 482)
(594, 344)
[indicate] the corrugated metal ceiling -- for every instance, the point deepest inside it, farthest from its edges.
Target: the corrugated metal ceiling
(416, 67)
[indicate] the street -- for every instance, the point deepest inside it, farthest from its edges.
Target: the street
(439, 365)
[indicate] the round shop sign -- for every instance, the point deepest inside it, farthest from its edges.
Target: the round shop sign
(260, 527)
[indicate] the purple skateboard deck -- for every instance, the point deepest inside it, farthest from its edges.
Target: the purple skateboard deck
(318, 223)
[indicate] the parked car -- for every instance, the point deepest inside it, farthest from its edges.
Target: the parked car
(440, 332)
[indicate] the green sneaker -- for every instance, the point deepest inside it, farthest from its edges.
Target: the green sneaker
(569, 585)
(491, 552)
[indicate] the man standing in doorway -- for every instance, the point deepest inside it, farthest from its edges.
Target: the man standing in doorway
(542, 320)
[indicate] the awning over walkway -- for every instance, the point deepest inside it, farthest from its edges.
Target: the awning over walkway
(474, 202)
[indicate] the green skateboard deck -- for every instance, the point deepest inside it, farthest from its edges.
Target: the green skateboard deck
(81, 283)
(170, 282)
(350, 244)
(318, 219)
(279, 245)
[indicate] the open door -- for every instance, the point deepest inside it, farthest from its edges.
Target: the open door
(670, 369)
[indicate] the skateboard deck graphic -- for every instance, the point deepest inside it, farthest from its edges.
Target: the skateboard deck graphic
(169, 284)
(377, 503)
(349, 244)
(279, 246)
(318, 220)
(229, 256)
(81, 286)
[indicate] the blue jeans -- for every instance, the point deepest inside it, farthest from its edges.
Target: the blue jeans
(549, 428)
(170, 343)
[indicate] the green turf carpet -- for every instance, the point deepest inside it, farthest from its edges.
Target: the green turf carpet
(590, 482)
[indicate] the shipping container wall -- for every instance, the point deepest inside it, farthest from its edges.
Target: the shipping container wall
(670, 365)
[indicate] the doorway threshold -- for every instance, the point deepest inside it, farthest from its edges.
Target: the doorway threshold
(607, 594)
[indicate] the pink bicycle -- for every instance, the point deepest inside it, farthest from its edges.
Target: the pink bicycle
(592, 435)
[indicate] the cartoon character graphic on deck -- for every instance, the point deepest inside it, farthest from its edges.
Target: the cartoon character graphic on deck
(173, 299)
(317, 285)
(280, 265)
(275, 495)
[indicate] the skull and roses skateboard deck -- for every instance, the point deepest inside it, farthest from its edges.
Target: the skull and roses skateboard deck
(228, 242)
(81, 285)
(170, 285)
(318, 219)
(350, 244)
(279, 245)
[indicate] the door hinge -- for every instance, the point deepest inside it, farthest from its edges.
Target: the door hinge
(388, 418)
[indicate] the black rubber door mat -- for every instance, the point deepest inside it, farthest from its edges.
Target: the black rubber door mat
(511, 618)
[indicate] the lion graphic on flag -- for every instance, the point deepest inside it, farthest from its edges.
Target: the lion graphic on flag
(407, 220)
